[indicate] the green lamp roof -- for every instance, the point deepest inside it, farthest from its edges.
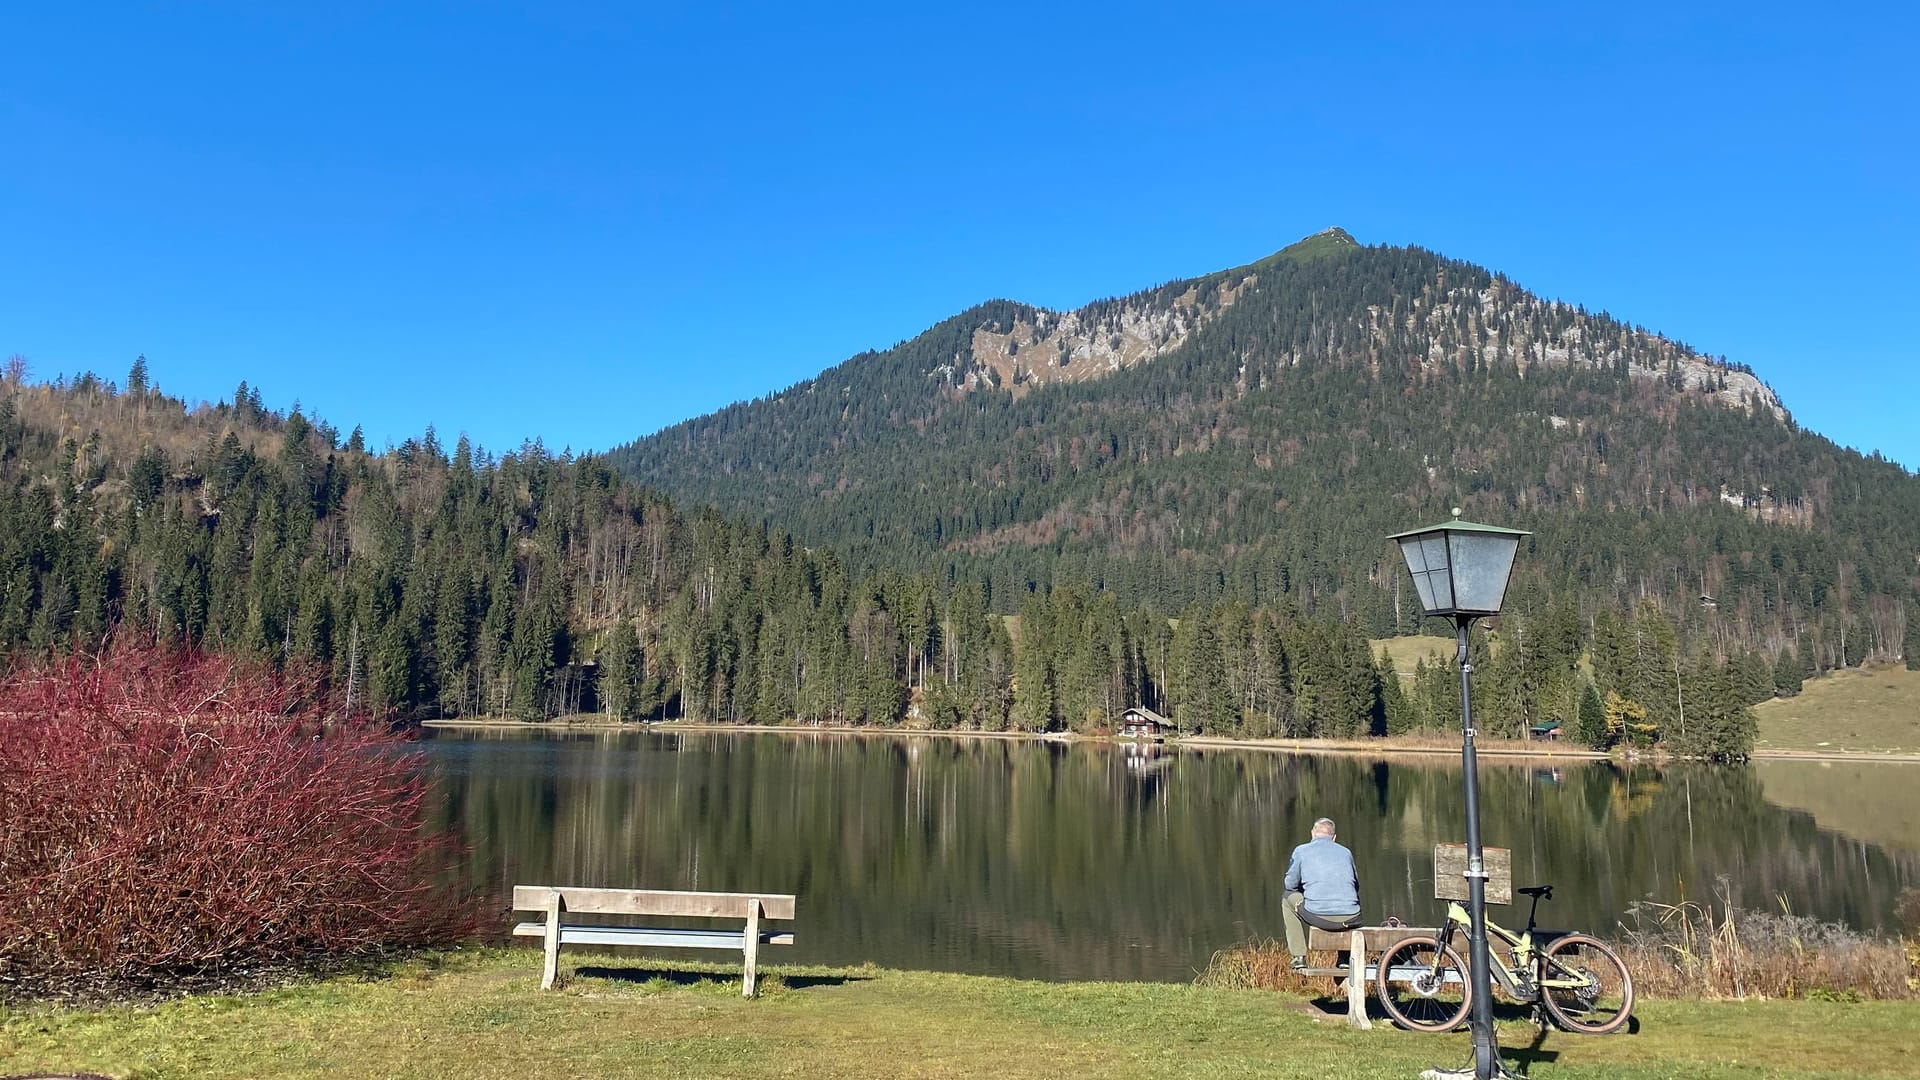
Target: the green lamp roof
(1456, 525)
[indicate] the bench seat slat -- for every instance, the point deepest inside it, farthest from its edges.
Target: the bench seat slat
(1378, 937)
(647, 936)
(655, 902)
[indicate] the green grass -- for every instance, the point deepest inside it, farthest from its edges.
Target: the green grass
(480, 1015)
(1406, 652)
(1869, 709)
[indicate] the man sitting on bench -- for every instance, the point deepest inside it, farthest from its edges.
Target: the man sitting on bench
(1323, 890)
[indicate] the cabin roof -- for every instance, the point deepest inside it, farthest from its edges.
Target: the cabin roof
(1149, 715)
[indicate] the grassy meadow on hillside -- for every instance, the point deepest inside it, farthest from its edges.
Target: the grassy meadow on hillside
(1407, 651)
(1875, 709)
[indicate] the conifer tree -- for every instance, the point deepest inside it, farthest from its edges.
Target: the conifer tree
(1033, 680)
(1788, 672)
(1592, 728)
(1395, 705)
(621, 671)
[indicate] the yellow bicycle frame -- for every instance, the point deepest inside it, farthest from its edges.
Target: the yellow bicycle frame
(1522, 945)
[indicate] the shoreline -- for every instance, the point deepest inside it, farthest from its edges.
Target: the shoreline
(1346, 747)
(1890, 757)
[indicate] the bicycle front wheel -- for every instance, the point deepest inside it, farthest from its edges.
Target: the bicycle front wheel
(1585, 986)
(1423, 985)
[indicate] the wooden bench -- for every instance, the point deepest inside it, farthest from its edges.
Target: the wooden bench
(1367, 942)
(560, 902)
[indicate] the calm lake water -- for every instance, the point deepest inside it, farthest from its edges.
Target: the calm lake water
(1082, 861)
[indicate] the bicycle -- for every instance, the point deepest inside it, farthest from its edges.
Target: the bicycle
(1582, 983)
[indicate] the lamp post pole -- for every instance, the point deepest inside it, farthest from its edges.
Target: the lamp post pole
(1486, 1052)
(1461, 570)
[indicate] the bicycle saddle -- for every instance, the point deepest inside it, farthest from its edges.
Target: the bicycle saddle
(1544, 892)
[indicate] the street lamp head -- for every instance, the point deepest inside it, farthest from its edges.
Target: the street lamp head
(1460, 567)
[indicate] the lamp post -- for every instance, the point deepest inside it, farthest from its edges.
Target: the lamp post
(1460, 570)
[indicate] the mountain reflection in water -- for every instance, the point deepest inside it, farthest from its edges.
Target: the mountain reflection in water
(1095, 861)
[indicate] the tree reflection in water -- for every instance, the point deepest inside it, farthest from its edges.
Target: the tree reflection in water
(1096, 861)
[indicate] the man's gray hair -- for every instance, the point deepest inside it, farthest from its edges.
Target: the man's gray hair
(1324, 825)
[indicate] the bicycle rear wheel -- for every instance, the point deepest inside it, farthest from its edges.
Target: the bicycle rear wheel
(1423, 985)
(1596, 997)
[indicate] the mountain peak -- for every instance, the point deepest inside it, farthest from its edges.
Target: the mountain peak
(1326, 242)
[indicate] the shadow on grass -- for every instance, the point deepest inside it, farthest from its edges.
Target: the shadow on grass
(710, 979)
(1526, 1057)
(1521, 1057)
(88, 990)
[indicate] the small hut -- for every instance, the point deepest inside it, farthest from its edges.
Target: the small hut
(1144, 724)
(1546, 731)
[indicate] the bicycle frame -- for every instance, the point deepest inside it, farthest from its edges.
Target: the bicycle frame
(1529, 977)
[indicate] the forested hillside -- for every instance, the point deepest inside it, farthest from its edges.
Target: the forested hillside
(1251, 436)
(428, 583)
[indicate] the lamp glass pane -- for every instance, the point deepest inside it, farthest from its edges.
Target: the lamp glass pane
(1425, 588)
(1482, 563)
(1426, 557)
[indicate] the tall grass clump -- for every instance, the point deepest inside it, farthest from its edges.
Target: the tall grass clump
(169, 816)
(1719, 950)
(1263, 964)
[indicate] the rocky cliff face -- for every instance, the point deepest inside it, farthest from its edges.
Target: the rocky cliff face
(1504, 324)
(1091, 343)
(1465, 325)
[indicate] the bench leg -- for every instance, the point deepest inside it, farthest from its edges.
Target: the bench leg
(751, 946)
(550, 966)
(1356, 982)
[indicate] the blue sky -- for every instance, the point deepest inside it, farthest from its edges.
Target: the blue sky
(584, 222)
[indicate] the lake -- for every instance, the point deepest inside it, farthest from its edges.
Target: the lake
(1096, 861)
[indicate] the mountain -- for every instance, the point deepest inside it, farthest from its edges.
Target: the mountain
(1255, 433)
(1182, 494)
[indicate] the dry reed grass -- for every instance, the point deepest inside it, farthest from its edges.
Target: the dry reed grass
(1264, 964)
(1716, 951)
(1688, 951)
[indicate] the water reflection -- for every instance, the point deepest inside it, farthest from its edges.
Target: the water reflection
(1072, 861)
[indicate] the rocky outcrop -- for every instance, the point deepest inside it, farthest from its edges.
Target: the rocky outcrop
(1437, 328)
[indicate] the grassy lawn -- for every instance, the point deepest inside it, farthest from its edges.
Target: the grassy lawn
(479, 1014)
(1876, 709)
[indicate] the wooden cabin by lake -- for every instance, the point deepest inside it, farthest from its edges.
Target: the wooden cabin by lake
(1144, 724)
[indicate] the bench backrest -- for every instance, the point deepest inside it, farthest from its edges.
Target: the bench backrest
(654, 902)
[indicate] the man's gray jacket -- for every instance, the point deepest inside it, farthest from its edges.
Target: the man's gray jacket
(1324, 870)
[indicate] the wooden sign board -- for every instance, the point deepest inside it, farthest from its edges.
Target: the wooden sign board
(1450, 873)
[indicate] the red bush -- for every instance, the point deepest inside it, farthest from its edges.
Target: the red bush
(165, 813)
